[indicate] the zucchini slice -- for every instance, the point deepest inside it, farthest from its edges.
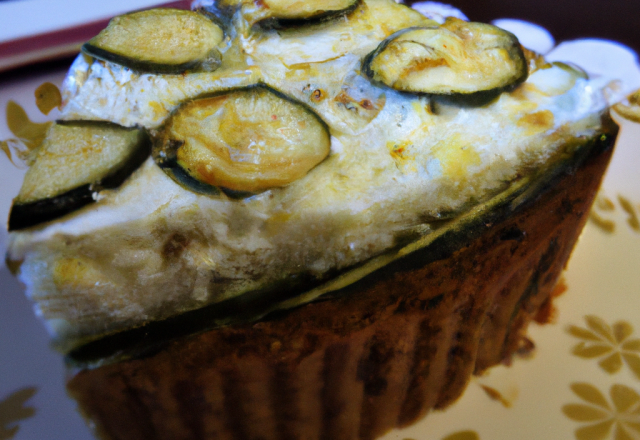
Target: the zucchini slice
(244, 140)
(284, 13)
(456, 58)
(159, 41)
(76, 160)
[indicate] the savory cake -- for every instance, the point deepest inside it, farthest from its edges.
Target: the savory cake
(300, 220)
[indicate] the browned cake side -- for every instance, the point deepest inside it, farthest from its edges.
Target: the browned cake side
(356, 365)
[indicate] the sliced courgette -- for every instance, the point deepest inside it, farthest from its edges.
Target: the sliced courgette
(160, 41)
(458, 57)
(284, 13)
(76, 160)
(244, 140)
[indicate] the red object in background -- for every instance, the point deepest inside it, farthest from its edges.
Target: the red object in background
(57, 44)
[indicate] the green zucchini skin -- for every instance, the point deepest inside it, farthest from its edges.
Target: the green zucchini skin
(171, 167)
(160, 41)
(182, 178)
(168, 163)
(165, 151)
(27, 215)
(259, 304)
(460, 97)
(366, 61)
(322, 17)
(218, 17)
(141, 65)
(228, 8)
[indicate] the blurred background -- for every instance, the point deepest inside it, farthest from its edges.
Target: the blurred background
(37, 31)
(617, 20)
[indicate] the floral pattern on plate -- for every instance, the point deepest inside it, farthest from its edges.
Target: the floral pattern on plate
(621, 417)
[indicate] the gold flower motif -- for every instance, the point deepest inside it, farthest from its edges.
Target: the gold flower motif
(463, 435)
(496, 395)
(632, 220)
(612, 344)
(12, 410)
(605, 205)
(622, 417)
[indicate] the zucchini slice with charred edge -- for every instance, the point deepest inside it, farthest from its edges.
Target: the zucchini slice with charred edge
(244, 140)
(285, 13)
(159, 41)
(76, 160)
(456, 58)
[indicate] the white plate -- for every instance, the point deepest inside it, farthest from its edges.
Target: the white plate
(603, 280)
